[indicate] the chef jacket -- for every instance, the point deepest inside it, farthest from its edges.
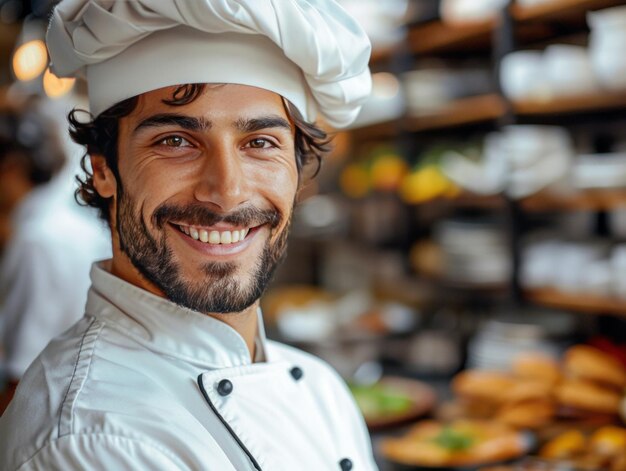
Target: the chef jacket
(44, 274)
(141, 383)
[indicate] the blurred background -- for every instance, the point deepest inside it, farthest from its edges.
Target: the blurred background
(460, 259)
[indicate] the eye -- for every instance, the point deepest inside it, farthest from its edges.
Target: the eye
(175, 141)
(261, 143)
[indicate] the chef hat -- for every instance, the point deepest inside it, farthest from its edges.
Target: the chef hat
(309, 51)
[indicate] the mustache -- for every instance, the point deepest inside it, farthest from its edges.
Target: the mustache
(199, 215)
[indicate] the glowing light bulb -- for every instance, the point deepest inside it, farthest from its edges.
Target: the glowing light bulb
(30, 60)
(55, 86)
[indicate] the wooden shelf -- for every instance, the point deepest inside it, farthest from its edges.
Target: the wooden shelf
(556, 9)
(442, 37)
(384, 130)
(579, 302)
(575, 104)
(438, 36)
(533, 23)
(471, 110)
(467, 200)
(589, 200)
(441, 282)
(480, 109)
(472, 200)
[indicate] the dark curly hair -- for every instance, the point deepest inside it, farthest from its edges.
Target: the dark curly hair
(99, 136)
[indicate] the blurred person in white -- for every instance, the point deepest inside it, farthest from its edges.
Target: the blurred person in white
(201, 120)
(44, 269)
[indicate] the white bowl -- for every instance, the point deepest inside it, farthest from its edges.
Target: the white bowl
(551, 171)
(575, 259)
(462, 11)
(522, 75)
(608, 18)
(427, 90)
(568, 70)
(525, 145)
(609, 65)
(607, 38)
(599, 171)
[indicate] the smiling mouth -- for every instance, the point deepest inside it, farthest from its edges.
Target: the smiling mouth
(213, 237)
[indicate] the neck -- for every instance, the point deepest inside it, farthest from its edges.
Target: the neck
(245, 323)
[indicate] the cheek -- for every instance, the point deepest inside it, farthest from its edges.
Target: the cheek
(279, 185)
(151, 185)
(283, 193)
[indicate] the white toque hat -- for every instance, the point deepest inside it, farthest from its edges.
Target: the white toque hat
(309, 51)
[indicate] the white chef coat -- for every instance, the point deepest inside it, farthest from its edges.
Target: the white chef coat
(141, 383)
(44, 274)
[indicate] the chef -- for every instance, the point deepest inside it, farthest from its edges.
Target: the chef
(201, 120)
(44, 268)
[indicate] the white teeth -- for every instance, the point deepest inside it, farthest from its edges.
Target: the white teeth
(215, 237)
(226, 237)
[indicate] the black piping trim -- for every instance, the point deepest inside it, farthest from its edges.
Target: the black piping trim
(230, 430)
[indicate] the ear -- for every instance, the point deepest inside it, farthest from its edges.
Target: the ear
(103, 179)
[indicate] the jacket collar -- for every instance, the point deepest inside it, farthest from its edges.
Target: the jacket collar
(168, 328)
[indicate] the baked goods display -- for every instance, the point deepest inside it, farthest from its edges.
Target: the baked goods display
(565, 403)
(603, 449)
(538, 390)
(460, 443)
(588, 363)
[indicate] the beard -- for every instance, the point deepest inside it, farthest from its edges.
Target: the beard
(219, 288)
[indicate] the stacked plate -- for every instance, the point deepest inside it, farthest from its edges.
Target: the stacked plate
(474, 251)
(498, 342)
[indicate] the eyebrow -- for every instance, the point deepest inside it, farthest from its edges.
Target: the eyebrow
(200, 124)
(189, 123)
(265, 122)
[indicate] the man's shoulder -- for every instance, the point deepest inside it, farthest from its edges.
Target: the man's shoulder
(85, 392)
(32, 419)
(91, 369)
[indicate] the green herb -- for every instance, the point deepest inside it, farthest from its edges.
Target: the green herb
(453, 440)
(379, 400)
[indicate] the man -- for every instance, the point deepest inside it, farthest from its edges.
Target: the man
(44, 274)
(202, 124)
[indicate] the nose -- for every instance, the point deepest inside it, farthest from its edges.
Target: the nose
(221, 182)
